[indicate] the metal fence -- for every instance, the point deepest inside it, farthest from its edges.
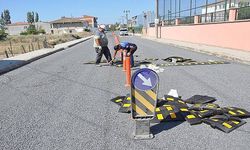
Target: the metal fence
(207, 10)
(244, 13)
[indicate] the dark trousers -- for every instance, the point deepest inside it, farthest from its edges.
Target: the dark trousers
(132, 62)
(105, 50)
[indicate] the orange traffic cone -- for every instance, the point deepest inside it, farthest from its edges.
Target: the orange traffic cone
(128, 72)
(124, 60)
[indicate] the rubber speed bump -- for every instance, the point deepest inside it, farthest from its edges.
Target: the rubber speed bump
(207, 106)
(192, 118)
(126, 105)
(167, 113)
(142, 62)
(94, 62)
(177, 59)
(174, 101)
(208, 112)
(224, 123)
(151, 59)
(118, 100)
(191, 63)
(118, 65)
(200, 99)
(236, 112)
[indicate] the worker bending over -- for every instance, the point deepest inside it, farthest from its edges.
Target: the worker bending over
(130, 49)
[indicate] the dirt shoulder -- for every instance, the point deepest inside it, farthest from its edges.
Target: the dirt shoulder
(15, 45)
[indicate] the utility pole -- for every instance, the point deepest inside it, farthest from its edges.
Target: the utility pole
(126, 13)
(156, 17)
(122, 20)
(145, 21)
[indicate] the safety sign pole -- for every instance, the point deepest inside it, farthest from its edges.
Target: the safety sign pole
(144, 90)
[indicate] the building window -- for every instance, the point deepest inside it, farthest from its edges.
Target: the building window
(25, 27)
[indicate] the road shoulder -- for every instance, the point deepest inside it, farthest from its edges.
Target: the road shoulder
(226, 53)
(9, 64)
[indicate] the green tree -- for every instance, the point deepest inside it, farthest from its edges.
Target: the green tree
(30, 17)
(3, 35)
(2, 24)
(32, 29)
(6, 16)
(2, 16)
(36, 17)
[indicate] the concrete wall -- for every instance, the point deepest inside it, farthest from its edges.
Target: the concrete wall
(233, 35)
(66, 25)
(67, 30)
(16, 30)
(43, 25)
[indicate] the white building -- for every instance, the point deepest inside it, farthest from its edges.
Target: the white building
(216, 11)
(68, 25)
(18, 27)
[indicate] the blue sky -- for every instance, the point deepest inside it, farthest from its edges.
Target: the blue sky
(108, 11)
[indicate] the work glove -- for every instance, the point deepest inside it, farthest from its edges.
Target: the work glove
(99, 47)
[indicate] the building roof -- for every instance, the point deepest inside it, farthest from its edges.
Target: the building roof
(67, 20)
(18, 24)
(86, 16)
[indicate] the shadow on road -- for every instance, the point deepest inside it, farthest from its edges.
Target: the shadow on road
(9, 65)
(158, 128)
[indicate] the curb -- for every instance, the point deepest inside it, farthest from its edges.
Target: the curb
(19, 63)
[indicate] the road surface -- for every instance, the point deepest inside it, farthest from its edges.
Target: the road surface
(58, 102)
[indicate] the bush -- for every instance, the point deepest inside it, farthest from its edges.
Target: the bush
(32, 29)
(41, 31)
(3, 35)
(24, 33)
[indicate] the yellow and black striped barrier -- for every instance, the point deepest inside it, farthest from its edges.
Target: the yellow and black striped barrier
(144, 91)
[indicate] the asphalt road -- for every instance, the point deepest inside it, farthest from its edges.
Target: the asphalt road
(58, 102)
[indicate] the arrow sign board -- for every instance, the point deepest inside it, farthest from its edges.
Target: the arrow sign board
(144, 91)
